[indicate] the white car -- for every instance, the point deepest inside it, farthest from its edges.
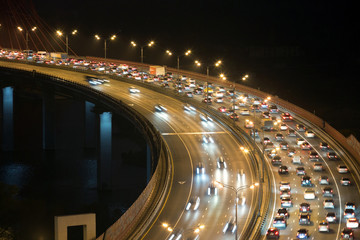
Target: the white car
(309, 134)
(205, 118)
(200, 169)
(283, 127)
(219, 94)
(249, 124)
(329, 203)
(309, 194)
(324, 226)
(207, 139)
(219, 100)
(160, 108)
(188, 107)
(221, 163)
(230, 226)
(352, 223)
(284, 185)
(133, 90)
(245, 112)
(193, 204)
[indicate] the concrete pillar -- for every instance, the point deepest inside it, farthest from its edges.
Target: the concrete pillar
(8, 119)
(148, 163)
(49, 120)
(90, 125)
(104, 168)
(88, 221)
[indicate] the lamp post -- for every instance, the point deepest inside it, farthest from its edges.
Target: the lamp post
(111, 38)
(33, 29)
(236, 190)
(216, 64)
(150, 44)
(187, 53)
(60, 34)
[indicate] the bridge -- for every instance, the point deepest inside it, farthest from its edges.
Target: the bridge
(175, 140)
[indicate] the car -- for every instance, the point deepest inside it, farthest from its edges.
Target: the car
(200, 168)
(221, 163)
(189, 107)
(266, 115)
(318, 167)
(222, 109)
(286, 202)
(300, 127)
(207, 100)
(279, 137)
(324, 180)
(296, 159)
(230, 226)
(342, 169)
(306, 181)
(305, 146)
(284, 185)
(249, 124)
(309, 134)
(252, 131)
(304, 219)
(291, 133)
(273, 109)
(304, 208)
(175, 235)
(193, 203)
(212, 189)
(245, 112)
(344, 181)
(272, 233)
(347, 233)
(189, 94)
(328, 203)
(309, 194)
(291, 152)
(313, 156)
(205, 118)
(234, 116)
(327, 192)
(270, 147)
(160, 108)
(134, 90)
(219, 100)
(255, 107)
(349, 213)
(283, 127)
(266, 140)
(286, 116)
(284, 145)
(276, 160)
(283, 169)
(332, 156)
(352, 223)
(279, 222)
(285, 193)
(207, 139)
(165, 85)
(331, 217)
(302, 234)
(350, 205)
(299, 141)
(282, 212)
(300, 171)
(324, 146)
(323, 226)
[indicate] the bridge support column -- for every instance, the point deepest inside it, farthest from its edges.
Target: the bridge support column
(49, 120)
(148, 163)
(104, 168)
(90, 125)
(8, 119)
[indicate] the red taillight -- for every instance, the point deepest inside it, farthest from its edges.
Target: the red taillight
(276, 233)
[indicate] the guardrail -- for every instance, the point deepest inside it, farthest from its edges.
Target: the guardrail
(144, 209)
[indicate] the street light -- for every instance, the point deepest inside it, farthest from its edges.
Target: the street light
(60, 34)
(33, 29)
(236, 190)
(150, 44)
(111, 38)
(187, 53)
(216, 64)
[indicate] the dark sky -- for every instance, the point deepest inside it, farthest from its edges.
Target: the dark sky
(294, 49)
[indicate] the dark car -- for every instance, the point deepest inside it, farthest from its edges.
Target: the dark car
(300, 127)
(313, 156)
(282, 212)
(304, 219)
(286, 116)
(272, 233)
(306, 181)
(327, 192)
(347, 233)
(304, 208)
(283, 169)
(332, 156)
(324, 146)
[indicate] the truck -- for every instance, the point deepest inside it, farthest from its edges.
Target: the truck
(58, 56)
(157, 70)
(268, 125)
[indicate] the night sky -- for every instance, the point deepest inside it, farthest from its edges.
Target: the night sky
(306, 52)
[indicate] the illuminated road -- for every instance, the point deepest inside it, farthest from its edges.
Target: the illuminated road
(183, 130)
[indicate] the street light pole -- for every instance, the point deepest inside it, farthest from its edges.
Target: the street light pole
(142, 54)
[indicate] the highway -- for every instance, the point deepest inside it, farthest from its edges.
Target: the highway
(183, 130)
